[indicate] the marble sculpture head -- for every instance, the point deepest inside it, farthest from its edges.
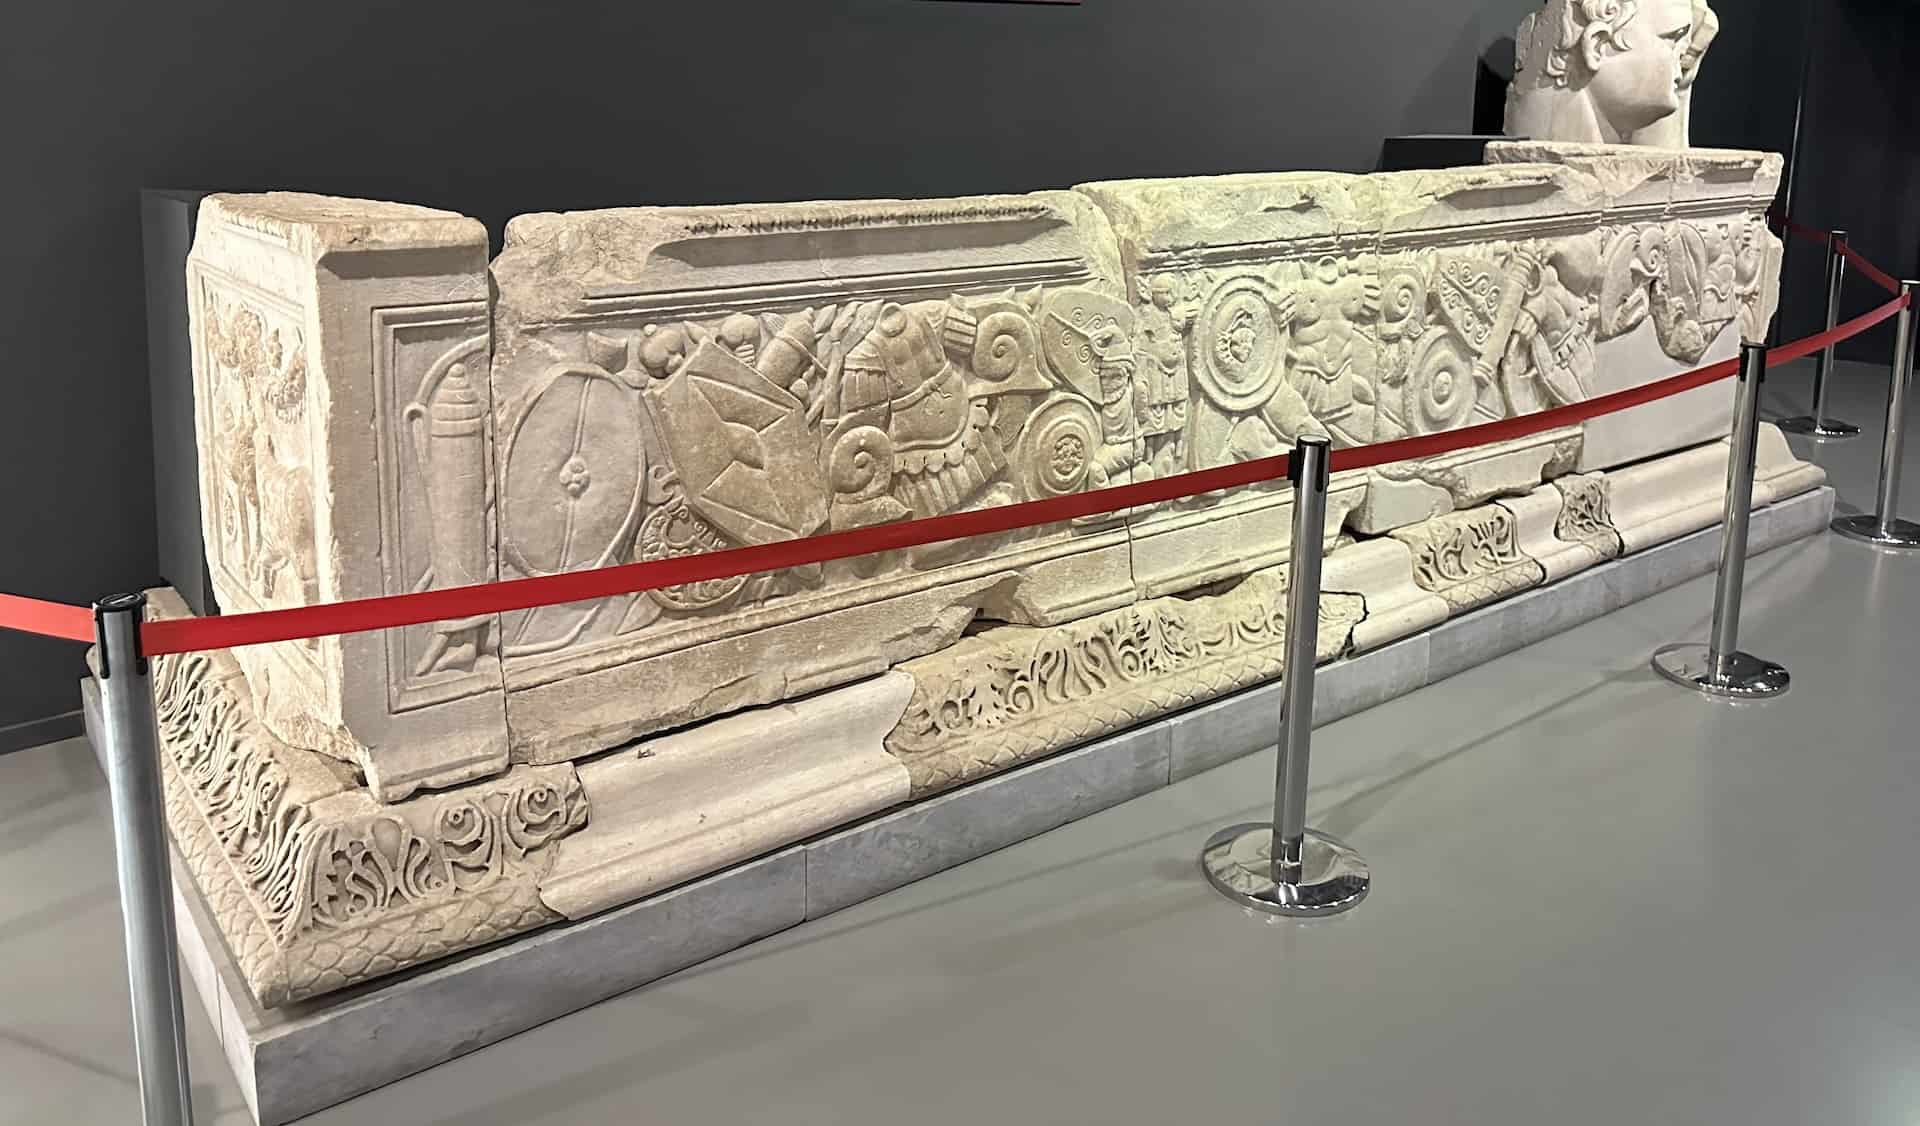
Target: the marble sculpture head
(1609, 71)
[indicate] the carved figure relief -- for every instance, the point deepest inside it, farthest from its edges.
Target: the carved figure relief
(1691, 281)
(1166, 311)
(1371, 347)
(263, 490)
(1233, 365)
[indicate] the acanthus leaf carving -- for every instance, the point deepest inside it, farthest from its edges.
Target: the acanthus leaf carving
(317, 886)
(1470, 558)
(1014, 693)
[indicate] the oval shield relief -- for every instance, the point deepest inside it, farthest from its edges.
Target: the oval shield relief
(574, 471)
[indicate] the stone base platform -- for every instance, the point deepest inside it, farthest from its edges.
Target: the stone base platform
(304, 1057)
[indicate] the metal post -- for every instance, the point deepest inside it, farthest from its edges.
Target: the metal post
(1817, 425)
(1884, 526)
(140, 846)
(1283, 867)
(1719, 668)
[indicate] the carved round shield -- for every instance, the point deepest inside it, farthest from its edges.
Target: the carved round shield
(1240, 345)
(1056, 448)
(575, 467)
(1441, 387)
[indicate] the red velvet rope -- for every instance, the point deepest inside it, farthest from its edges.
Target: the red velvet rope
(1799, 230)
(1870, 271)
(183, 635)
(1867, 269)
(48, 619)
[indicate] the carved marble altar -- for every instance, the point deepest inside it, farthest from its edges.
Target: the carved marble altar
(381, 410)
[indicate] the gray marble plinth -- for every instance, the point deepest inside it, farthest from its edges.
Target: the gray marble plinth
(302, 1058)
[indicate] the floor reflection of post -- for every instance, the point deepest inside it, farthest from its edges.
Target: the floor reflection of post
(1283, 867)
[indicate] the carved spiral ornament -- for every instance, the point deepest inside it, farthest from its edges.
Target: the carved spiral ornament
(861, 463)
(1441, 390)
(1005, 342)
(1403, 304)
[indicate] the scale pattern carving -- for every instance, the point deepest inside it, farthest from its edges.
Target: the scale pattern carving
(1471, 558)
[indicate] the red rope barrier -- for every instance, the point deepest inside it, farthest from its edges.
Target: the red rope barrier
(1870, 271)
(1801, 230)
(48, 619)
(75, 623)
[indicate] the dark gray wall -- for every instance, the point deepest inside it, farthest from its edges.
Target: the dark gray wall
(493, 109)
(1860, 164)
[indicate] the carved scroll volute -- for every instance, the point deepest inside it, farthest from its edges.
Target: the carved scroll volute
(860, 466)
(1005, 350)
(452, 449)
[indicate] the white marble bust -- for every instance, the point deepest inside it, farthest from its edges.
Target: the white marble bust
(1609, 71)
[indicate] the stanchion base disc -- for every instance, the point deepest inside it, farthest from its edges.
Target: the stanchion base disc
(1748, 677)
(1831, 430)
(1866, 529)
(1239, 863)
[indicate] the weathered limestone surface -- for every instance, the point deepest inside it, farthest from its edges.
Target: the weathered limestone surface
(670, 381)
(690, 803)
(1015, 693)
(340, 399)
(1612, 71)
(382, 411)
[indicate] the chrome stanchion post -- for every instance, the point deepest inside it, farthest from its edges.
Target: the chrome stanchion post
(1283, 867)
(140, 846)
(1884, 526)
(1817, 425)
(1719, 668)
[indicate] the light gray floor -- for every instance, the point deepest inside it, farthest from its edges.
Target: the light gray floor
(1598, 899)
